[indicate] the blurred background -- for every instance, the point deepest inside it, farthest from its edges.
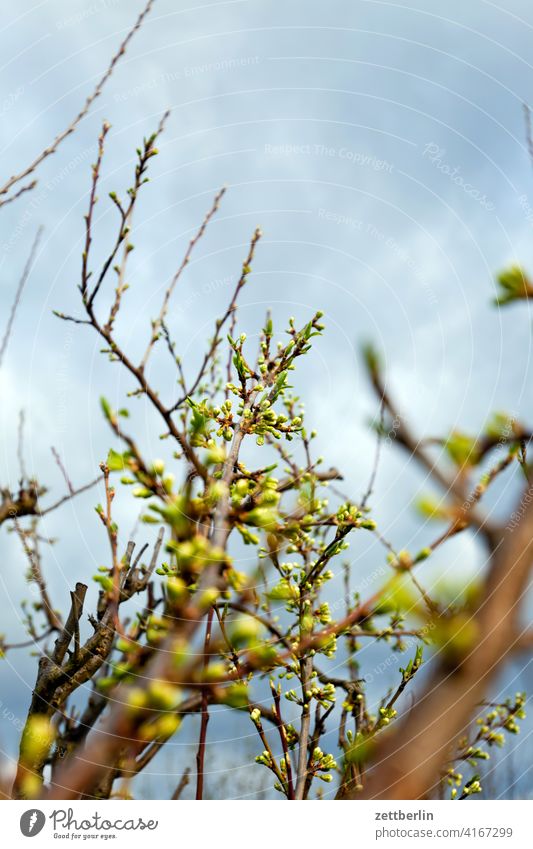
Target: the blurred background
(381, 147)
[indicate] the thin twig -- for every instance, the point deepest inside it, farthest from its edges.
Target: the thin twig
(48, 151)
(36, 573)
(4, 647)
(18, 294)
(62, 469)
(69, 496)
(71, 629)
(184, 781)
(283, 738)
(529, 136)
(222, 321)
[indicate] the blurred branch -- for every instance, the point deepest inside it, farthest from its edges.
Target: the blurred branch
(222, 321)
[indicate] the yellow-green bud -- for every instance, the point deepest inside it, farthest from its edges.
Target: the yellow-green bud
(38, 736)
(176, 590)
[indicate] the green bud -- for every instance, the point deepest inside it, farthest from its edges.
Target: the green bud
(38, 736)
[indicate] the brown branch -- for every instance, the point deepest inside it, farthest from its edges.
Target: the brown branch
(184, 781)
(22, 191)
(529, 138)
(18, 294)
(58, 678)
(306, 667)
(68, 497)
(85, 273)
(283, 737)
(373, 474)
(222, 321)
(26, 502)
(318, 730)
(48, 151)
(151, 394)
(36, 573)
(63, 470)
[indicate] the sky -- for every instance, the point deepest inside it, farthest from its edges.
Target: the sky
(381, 148)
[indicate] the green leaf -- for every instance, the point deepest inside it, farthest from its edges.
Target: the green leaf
(106, 408)
(430, 507)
